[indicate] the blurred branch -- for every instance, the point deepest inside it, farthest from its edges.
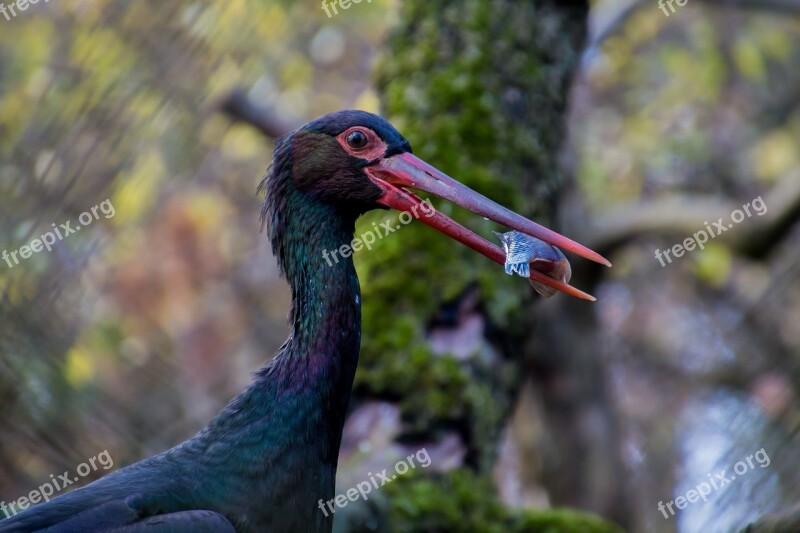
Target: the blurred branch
(784, 521)
(789, 6)
(682, 215)
(240, 107)
(614, 25)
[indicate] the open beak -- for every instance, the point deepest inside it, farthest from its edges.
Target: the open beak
(396, 173)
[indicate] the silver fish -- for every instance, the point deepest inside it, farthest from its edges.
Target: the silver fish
(522, 251)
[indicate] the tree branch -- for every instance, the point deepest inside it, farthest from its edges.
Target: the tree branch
(683, 215)
(784, 521)
(238, 106)
(625, 13)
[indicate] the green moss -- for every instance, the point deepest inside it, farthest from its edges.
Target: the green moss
(479, 90)
(462, 501)
(564, 521)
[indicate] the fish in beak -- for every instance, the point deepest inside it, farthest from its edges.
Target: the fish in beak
(398, 173)
(524, 252)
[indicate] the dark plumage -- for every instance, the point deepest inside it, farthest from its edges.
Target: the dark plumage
(270, 456)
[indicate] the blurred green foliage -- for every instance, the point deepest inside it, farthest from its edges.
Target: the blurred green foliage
(461, 500)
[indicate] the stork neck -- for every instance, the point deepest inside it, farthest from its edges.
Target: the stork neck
(287, 426)
(315, 370)
(326, 310)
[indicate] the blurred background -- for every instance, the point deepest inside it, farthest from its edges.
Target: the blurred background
(624, 125)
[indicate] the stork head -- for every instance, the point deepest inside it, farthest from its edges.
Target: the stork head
(354, 161)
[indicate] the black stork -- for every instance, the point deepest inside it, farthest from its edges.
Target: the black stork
(270, 456)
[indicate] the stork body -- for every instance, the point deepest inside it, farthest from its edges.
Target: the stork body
(270, 456)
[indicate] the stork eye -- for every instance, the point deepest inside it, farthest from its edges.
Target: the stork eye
(356, 139)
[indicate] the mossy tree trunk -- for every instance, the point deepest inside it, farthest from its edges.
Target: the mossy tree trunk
(480, 89)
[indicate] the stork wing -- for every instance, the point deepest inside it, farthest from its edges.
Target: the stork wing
(182, 522)
(121, 516)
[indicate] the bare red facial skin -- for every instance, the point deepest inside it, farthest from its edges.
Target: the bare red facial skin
(374, 148)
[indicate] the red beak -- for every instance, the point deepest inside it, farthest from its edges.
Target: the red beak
(394, 174)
